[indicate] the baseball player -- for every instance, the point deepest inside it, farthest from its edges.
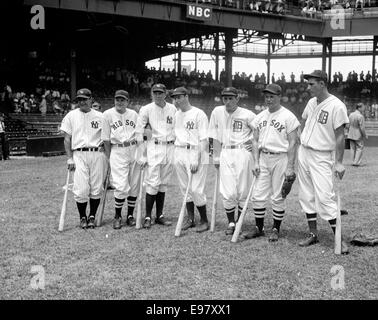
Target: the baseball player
(323, 134)
(118, 134)
(82, 141)
(231, 128)
(191, 154)
(159, 115)
(274, 149)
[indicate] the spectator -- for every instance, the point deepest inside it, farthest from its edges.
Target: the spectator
(292, 77)
(43, 106)
(4, 150)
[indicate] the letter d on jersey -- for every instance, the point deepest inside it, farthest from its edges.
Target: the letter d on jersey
(38, 281)
(337, 281)
(337, 17)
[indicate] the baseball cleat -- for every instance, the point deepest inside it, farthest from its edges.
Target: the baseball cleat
(83, 223)
(163, 221)
(255, 233)
(147, 223)
(310, 240)
(130, 221)
(117, 223)
(202, 227)
(230, 229)
(344, 248)
(91, 222)
(189, 223)
(274, 236)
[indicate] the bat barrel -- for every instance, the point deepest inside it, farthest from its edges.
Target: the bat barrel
(64, 204)
(182, 211)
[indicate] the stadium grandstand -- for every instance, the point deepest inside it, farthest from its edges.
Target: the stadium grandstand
(74, 52)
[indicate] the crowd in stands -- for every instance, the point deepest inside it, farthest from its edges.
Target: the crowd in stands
(51, 93)
(307, 8)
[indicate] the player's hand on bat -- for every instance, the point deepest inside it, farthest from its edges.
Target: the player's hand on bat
(289, 172)
(142, 162)
(194, 166)
(339, 170)
(256, 169)
(71, 164)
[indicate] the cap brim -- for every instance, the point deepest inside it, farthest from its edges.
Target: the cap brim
(121, 96)
(158, 90)
(272, 92)
(229, 94)
(82, 96)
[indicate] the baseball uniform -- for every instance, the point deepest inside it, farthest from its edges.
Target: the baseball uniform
(232, 131)
(273, 129)
(119, 129)
(315, 156)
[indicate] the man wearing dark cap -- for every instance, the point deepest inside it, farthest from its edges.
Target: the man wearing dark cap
(231, 129)
(159, 115)
(119, 136)
(320, 155)
(82, 141)
(191, 156)
(275, 135)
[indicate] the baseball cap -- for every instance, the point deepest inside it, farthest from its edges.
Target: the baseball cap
(179, 91)
(84, 93)
(318, 74)
(273, 89)
(229, 91)
(121, 94)
(159, 87)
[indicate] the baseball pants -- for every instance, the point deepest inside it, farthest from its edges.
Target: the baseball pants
(196, 193)
(125, 172)
(356, 146)
(159, 169)
(235, 172)
(89, 175)
(315, 182)
(269, 181)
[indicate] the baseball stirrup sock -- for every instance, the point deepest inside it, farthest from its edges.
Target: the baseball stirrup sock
(259, 217)
(93, 205)
(118, 204)
(230, 215)
(332, 223)
(202, 212)
(277, 218)
(159, 203)
(190, 210)
(131, 201)
(82, 207)
(240, 209)
(150, 200)
(311, 219)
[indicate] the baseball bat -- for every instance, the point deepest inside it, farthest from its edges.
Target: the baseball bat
(215, 201)
(138, 224)
(64, 204)
(182, 211)
(241, 218)
(338, 226)
(103, 199)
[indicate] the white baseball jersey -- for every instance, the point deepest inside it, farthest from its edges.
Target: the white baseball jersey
(119, 128)
(321, 121)
(231, 129)
(274, 128)
(190, 127)
(85, 128)
(160, 119)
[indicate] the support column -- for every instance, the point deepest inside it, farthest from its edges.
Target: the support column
(217, 56)
(73, 73)
(324, 56)
(179, 58)
(375, 45)
(229, 35)
(195, 54)
(329, 59)
(160, 63)
(268, 62)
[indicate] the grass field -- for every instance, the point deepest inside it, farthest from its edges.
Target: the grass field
(153, 264)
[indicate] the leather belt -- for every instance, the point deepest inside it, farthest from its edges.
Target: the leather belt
(269, 152)
(87, 149)
(163, 142)
(187, 146)
(125, 144)
(233, 146)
